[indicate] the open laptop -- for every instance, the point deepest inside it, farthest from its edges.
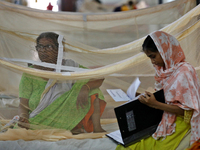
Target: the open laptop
(136, 121)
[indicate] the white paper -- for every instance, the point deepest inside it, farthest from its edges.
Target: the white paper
(119, 95)
(133, 88)
(116, 135)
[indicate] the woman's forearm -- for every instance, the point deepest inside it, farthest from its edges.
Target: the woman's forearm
(82, 98)
(169, 108)
(95, 83)
(24, 107)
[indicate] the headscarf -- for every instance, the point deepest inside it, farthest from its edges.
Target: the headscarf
(180, 83)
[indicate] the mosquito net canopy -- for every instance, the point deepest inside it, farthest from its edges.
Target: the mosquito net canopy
(60, 65)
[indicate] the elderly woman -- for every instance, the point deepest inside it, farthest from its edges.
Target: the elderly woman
(65, 104)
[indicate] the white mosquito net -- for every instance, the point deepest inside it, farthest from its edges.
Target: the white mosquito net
(61, 79)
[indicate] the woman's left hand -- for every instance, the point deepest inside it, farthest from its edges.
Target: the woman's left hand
(82, 99)
(148, 99)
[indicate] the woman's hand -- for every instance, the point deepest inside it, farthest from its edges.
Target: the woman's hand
(23, 122)
(148, 99)
(82, 99)
(23, 112)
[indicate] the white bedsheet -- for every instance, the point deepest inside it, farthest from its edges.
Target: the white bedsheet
(70, 144)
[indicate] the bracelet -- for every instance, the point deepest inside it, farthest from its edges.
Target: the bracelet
(88, 87)
(25, 106)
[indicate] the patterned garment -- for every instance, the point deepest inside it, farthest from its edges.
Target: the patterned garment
(180, 83)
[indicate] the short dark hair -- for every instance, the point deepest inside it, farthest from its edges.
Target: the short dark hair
(49, 35)
(149, 45)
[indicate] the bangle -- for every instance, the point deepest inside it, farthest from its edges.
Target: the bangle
(25, 106)
(88, 86)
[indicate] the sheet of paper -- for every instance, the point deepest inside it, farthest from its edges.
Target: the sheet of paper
(118, 95)
(133, 88)
(132, 99)
(116, 135)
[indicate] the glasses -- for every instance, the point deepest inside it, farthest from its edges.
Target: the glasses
(46, 47)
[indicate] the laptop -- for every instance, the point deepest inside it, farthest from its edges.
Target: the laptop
(136, 121)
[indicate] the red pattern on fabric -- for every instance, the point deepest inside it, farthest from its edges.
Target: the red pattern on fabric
(86, 122)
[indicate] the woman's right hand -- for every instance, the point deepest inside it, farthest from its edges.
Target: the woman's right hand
(148, 99)
(23, 122)
(23, 112)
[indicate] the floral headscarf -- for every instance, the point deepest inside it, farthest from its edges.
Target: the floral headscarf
(180, 83)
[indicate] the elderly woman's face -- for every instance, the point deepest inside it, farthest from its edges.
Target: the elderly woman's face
(47, 50)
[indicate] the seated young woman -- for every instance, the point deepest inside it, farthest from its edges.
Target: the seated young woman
(44, 103)
(180, 83)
